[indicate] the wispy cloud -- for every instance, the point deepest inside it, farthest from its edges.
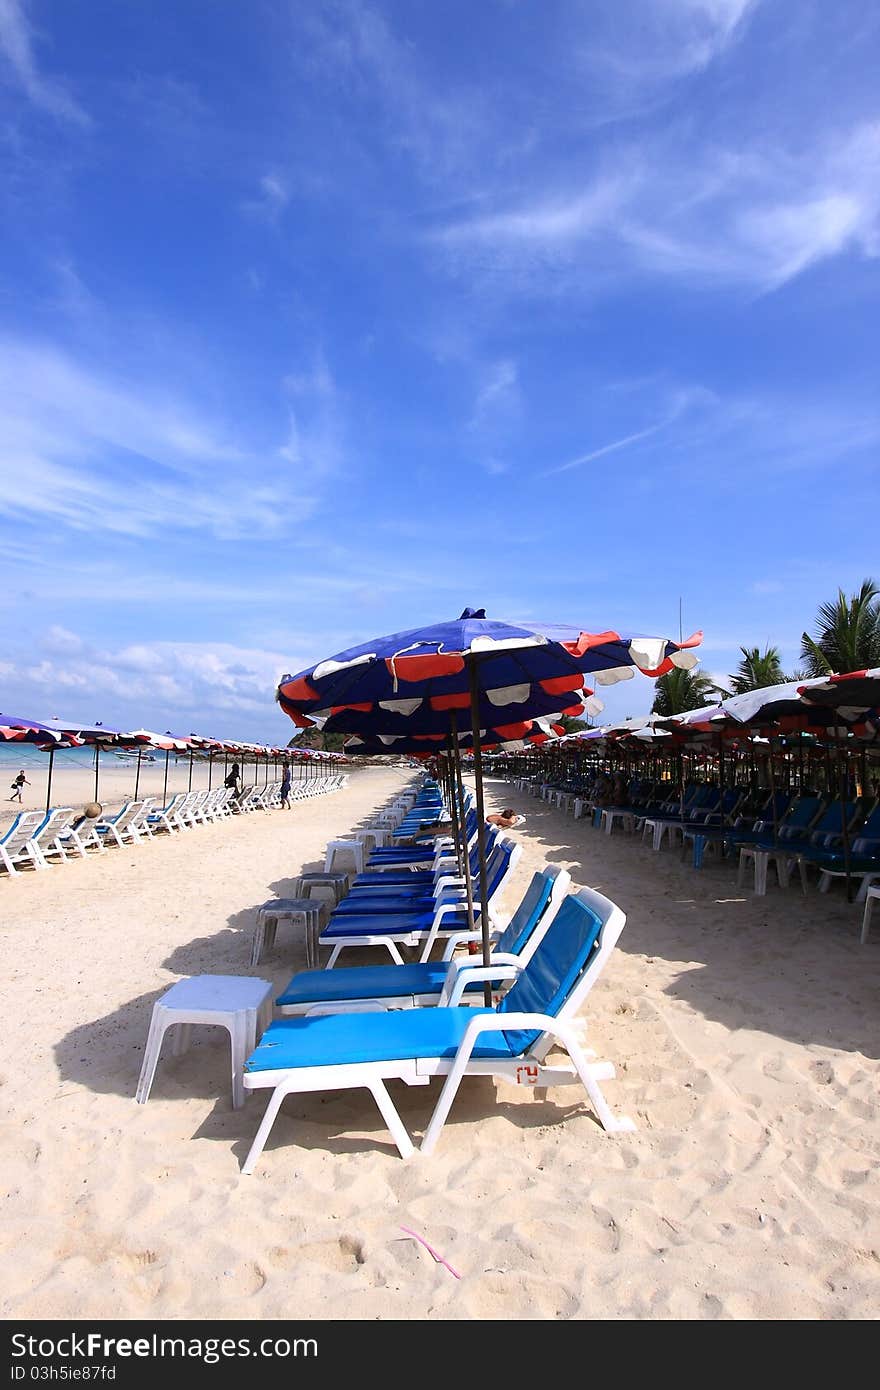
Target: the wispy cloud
(17, 47)
(96, 454)
(758, 217)
(273, 197)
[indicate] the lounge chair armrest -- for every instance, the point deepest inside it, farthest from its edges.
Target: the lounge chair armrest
(448, 881)
(460, 937)
(470, 975)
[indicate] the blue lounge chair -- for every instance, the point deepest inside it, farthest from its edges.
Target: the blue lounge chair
(352, 1051)
(420, 927)
(427, 983)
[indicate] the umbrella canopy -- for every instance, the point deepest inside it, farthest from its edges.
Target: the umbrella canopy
(508, 737)
(416, 682)
(15, 730)
(410, 681)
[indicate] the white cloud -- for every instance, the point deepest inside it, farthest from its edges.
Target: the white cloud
(100, 455)
(273, 198)
(758, 217)
(158, 683)
(16, 46)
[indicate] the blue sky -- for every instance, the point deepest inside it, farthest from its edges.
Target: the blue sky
(320, 320)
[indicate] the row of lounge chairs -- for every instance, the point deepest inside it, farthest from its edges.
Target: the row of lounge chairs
(803, 831)
(37, 839)
(415, 1020)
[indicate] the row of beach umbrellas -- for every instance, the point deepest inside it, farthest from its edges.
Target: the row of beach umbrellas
(54, 734)
(497, 677)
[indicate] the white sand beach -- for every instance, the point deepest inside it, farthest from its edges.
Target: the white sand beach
(746, 1033)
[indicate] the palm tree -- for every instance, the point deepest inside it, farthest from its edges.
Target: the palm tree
(847, 633)
(757, 670)
(680, 690)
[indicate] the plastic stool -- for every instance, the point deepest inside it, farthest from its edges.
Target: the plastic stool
(238, 1003)
(304, 910)
(343, 847)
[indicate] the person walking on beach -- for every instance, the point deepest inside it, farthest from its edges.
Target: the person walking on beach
(285, 786)
(18, 783)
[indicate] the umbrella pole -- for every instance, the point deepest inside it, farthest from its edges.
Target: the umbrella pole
(842, 780)
(773, 806)
(210, 769)
(190, 785)
(49, 779)
(449, 785)
(466, 859)
(97, 756)
(481, 826)
(165, 785)
(137, 775)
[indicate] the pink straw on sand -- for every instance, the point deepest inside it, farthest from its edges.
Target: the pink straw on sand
(431, 1251)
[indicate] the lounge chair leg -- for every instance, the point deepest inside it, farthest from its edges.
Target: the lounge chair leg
(396, 1127)
(741, 871)
(181, 1041)
(824, 882)
(590, 1074)
(866, 921)
(262, 1134)
(761, 874)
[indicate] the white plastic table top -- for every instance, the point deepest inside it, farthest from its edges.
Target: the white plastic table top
(283, 907)
(220, 993)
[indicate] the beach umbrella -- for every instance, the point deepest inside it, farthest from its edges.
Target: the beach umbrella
(15, 730)
(499, 672)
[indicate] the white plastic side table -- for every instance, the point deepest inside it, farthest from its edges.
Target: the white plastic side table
(238, 1003)
(340, 848)
(304, 910)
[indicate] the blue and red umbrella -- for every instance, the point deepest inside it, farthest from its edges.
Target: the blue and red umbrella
(418, 681)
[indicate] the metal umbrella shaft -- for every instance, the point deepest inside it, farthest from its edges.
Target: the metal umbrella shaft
(137, 775)
(465, 855)
(49, 778)
(481, 825)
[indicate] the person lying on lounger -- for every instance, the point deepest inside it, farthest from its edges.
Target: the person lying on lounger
(504, 819)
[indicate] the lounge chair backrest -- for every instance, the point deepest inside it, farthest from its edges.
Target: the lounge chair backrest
(548, 982)
(535, 905)
(55, 823)
(22, 829)
(498, 864)
(803, 812)
(870, 826)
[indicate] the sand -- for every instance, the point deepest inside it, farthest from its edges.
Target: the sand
(745, 1031)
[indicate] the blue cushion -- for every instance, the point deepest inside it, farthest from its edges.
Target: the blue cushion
(338, 1039)
(526, 916)
(365, 982)
(553, 970)
(395, 923)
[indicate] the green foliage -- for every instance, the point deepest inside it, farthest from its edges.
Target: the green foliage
(757, 670)
(314, 738)
(846, 636)
(572, 726)
(679, 691)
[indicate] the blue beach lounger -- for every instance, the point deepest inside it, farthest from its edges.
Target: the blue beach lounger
(421, 926)
(428, 983)
(334, 1052)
